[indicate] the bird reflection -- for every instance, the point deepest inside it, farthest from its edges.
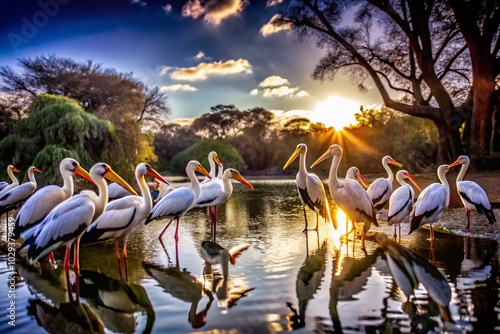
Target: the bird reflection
(182, 285)
(308, 281)
(227, 291)
(116, 302)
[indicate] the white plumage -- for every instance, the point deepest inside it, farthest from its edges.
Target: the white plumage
(214, 254)
(48, 197)
(431, 203)
(123, 215)
(472, 195)
(13, 198)
(310, 188)
(213, 161)
(218, 191)
(4, 185)
(65, 224)
(380, 190)
(349, 195)
(401, 200)
(179, 201)
(115, 191)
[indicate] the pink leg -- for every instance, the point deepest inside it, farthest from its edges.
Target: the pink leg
(399, 232)
(394, 234)
(176, 236)
(305, 218)
(76, 267)
(159, 237)
(210, 213)
(467, 213)
(51, 258)
(125, 259)
(118, 260)
(66, 273)
(215, 221)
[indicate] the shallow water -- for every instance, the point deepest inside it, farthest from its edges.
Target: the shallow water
(286, 281)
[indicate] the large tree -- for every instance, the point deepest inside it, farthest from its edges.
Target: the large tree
(412, 48)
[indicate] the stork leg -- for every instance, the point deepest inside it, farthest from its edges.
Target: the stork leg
(176, 236)
(399, 232)
(394, 234)
(467, 213)
(305, 218)
(214, 212)
(125, 259)
(76, 267)
(161, 234)
(52, 259)
(431, 232)
(118, 260)
(66, 273)
(317, 222)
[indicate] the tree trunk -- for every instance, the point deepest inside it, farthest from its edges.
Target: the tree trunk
(449, 143)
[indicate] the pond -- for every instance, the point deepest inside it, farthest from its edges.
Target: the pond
(285, 281)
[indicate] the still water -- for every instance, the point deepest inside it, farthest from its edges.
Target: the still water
(286, 280)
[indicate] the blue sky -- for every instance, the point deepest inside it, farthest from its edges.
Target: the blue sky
(202, 53)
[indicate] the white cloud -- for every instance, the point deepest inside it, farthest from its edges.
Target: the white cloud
(203, 70)
(276, 86)
(272, 27)
(164, 70)
(274, 81)
(271, 3)
(167, 8)
(178, 87)
(201, 56)
(213, 11)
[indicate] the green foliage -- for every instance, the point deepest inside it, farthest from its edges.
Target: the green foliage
(199, 151)
(57, 127)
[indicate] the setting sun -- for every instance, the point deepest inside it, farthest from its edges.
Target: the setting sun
(335, 111)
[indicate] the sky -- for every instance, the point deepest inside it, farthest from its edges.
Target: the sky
(201, 53)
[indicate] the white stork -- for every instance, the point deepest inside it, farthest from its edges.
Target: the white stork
(179, 201)
(353, 173)
(66, 223)
(431, 203)
(349, 195)
(213, 161)
(380, 189)
(472, 195)
(123, 215)
(401, 200)
(408, 269)
(13, 198)
(47, 198)
(213, 194)
(4, 185)
(310, 188)
(214, 254)
(115, 191)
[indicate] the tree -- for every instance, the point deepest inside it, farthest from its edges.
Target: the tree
(413, 48)
(221, 122)
(57, 127)
(172, 139)
(199, 151)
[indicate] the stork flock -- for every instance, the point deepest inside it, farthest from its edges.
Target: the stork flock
(361, 205)
(53, 216)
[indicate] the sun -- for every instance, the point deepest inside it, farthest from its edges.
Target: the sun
(335, 111)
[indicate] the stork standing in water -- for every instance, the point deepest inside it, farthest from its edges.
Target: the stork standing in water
(349, 195)
(380, 189)
(47, 198)
(213, 194)
(214, 254)
(123, 215)
(66, 223)
(472, 195)
(401, 201)
(431, 203)
(179, 201)
(310, 188)
(13, 198)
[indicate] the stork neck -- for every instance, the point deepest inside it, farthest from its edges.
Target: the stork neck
(195, 184)
(212, 167)
(332, 176)
(463, 170)
(31, 176)
(302, 165)
(225, 256)
(146, 194)
(68, 185)
(102, 197)
(228, 186)
(446, 185)
(12, 176)
(390, 174)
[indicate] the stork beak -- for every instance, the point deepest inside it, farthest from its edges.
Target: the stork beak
(36, 170)
(203, 171)
(362, 179)
(325, 156)
(456, 163)
(155, 174)
(80, 171)
(413, 181)
(395, 163)
(112, 176)
(294, 156)
(217, 160)
(14, 169)
(240, 178)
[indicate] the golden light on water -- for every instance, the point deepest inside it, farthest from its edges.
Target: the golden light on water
(339, 234)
